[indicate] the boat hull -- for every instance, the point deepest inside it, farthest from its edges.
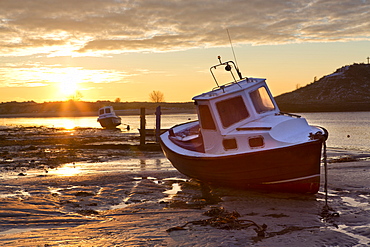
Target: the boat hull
(294, 168)
(109, 122)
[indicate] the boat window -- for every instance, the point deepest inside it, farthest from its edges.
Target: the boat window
(232, 111)
(257, 141)
(229, 144)
(261, 100)
(107, 110)
(206, 119)
(101, 111)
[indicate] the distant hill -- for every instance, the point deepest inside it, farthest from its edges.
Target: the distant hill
(347, 89)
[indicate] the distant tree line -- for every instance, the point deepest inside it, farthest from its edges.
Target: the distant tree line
(84, 108)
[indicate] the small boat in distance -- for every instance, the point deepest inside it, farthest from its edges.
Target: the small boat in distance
(242, 140)
(107, 118)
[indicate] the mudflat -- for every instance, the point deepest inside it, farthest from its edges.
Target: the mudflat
(135, 198)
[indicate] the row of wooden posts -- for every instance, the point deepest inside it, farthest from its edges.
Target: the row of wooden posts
(143, 125)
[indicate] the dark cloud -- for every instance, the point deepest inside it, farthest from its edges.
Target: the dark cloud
(119, 26)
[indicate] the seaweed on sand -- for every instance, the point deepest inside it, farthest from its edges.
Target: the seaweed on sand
(222, 219)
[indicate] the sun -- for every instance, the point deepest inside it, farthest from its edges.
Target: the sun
(66, 83)
(68, 88)
(69, 81)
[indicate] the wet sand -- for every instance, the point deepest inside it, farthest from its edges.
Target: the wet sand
(148, 203)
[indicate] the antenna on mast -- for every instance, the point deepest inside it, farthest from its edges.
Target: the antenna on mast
(232, 48)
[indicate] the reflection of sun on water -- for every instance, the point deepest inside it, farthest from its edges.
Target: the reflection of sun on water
(67, 124)
(67, 170)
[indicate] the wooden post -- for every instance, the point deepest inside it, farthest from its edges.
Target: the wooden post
(142, 127)
(157, 123)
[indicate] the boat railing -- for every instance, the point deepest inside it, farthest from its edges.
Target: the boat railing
(229, 65)
(222, 87)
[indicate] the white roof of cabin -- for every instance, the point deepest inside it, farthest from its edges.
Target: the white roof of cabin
(229, 88)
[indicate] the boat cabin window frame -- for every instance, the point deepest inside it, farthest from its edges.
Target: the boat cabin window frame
(107, 110)
(206, 119)
(262, 100)
(232, 111)
(101, 111)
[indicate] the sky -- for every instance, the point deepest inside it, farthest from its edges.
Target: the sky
(54, 50)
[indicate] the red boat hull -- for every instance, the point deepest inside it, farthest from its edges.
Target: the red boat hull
(293, 169)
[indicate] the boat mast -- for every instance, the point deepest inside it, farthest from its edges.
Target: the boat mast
(232, 48)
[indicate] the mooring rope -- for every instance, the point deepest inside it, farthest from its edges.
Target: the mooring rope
(325, 174)
(327, 212)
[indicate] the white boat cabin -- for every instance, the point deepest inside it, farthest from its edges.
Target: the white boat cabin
(243, 116)
(106, 111)
(230, 108)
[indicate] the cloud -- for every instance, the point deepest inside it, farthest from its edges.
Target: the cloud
(94, 27)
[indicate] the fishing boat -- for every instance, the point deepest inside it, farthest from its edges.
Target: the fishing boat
(242, 140)
(108, 118)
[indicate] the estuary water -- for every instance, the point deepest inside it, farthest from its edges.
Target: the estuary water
(347, 130)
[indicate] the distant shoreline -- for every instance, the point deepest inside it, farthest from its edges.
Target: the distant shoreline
(87, 109)
(128, 112)
(90, 109)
